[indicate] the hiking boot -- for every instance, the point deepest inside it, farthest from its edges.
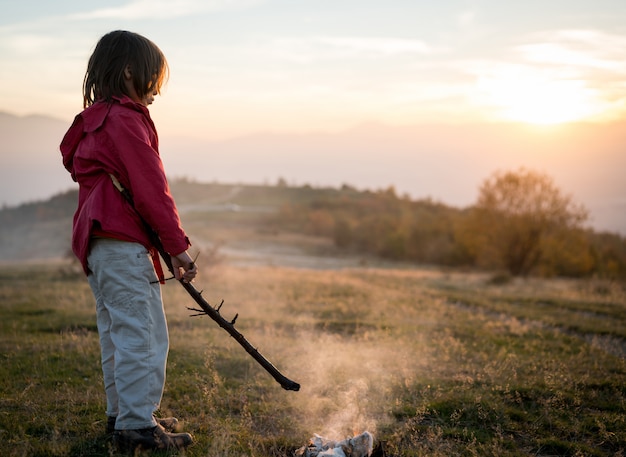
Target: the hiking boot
(170, 424)
(155, 438)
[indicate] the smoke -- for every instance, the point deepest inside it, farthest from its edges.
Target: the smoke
(356, 343)
(349, 383)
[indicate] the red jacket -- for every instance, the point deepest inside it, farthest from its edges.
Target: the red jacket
(120, 139)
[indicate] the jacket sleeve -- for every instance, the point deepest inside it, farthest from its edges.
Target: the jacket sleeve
(143, 175)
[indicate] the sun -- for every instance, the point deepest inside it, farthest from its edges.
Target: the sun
(536, 98)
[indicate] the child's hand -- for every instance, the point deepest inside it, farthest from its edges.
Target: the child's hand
(184, 267)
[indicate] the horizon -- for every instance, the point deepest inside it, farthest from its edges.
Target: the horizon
(445, 163)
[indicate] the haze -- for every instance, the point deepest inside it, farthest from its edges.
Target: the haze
(428, 98)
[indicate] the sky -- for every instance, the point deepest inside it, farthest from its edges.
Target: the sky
(343, 91)
(245, 66)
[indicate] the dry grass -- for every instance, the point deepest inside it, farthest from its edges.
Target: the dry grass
(432, 363)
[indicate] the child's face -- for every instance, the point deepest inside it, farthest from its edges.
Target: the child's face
(146, 100)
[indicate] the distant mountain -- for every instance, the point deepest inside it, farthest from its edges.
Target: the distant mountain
(444, 162)
(30, 161)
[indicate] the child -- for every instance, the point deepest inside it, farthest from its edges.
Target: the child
(115, 136)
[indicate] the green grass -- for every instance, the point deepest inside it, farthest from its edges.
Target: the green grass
(432, 363)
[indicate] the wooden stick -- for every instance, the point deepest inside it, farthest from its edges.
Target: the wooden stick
(206, 308)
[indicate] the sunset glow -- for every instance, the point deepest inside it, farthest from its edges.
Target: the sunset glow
(532, 98)
(245, 66)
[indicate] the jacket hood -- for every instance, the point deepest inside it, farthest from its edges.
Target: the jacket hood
(90, 120)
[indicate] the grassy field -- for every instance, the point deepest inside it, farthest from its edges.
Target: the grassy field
(433, 363)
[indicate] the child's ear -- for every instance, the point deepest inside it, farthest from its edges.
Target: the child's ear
(127, 73)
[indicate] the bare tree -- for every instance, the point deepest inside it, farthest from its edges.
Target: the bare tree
(516, 215)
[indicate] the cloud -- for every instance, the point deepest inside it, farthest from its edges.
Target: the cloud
(554, 76)
(466, 18)
(578, 48)
(307, 50)
(377, 45)
(163, 9)
(25, 44)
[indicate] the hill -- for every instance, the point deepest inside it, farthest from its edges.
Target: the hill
(317, 227)
(231, 217)
(38, 230)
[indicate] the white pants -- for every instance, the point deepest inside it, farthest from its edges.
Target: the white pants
(133, 330)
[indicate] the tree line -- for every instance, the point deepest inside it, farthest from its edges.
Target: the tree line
(521, 224)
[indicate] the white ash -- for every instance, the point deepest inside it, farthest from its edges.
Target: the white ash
(357, 446)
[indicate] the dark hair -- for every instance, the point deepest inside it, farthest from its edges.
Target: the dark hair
(114, 52)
